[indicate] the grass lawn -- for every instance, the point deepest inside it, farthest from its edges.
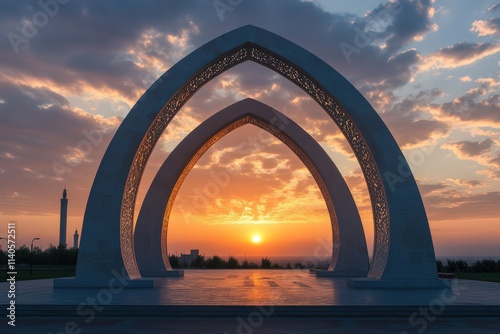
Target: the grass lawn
(489, 277)
(40, 272)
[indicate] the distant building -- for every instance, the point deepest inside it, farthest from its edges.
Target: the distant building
(186, 259)
(63, 219)
(75, 239)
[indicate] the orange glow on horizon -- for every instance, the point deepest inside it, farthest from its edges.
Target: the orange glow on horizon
(259, 203)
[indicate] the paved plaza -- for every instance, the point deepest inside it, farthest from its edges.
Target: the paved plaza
(260, 287)
(227, 301)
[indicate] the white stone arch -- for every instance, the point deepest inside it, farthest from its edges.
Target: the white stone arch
(403, 252)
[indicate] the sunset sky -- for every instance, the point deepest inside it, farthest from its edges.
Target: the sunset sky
(430, 69)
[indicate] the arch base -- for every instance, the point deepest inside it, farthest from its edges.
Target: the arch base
(372, 283)
(113, 284)
(332, 273)
(162, 273)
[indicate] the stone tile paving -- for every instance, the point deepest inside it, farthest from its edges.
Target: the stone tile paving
(264, 326)
(259, 287)
(255, 287)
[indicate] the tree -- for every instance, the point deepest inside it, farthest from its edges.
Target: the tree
(232, 263)
(265, 263)
(489, 265)
(462, 266)
(452, 266)
(39, 256)
(199, 262)
(476, 267)
(3, 257)
(174, 261)
(252, 265)
(439, 266)
(23, 255)
(215, 262)
(298, 265)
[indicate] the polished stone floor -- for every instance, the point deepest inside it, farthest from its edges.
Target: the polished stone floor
(226, 293)
(260, 287)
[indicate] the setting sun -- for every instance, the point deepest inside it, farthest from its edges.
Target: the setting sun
(256, 239)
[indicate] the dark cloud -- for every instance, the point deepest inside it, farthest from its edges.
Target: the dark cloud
(87, 42)
(405, 121)
(496, 161)
(459, 54)
(469, 108)
(451, 205)
(493, 173)
(480, 105)
(471, 183)
(474, 183)
(412, 19)
(464, 50)
(426, 189)
(471, 149)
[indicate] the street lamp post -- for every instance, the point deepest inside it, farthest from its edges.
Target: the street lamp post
(31, 256)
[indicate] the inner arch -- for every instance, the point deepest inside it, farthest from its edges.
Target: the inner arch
(349, 255)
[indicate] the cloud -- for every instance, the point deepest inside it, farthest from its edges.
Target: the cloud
(122, 57)
(458, 55)
(493, 172)
(426, 189)
(91, 62)
(486, 28)
(480, 152)
(267, 185)
(408, 124)
(43, 141)
(115, 55)
(450, 205)
(480, 106)
(469, 149)
(496, 161)
(412, 24)
(467, 183)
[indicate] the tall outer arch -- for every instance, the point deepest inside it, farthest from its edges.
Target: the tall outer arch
(349, 257)
(403, 249)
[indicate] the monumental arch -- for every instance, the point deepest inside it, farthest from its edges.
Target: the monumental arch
(349, 256)
(403, 253)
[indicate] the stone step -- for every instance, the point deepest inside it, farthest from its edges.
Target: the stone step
(225, 311)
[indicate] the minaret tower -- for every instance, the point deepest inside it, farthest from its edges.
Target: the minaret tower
(75, 239)
(63, 219)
